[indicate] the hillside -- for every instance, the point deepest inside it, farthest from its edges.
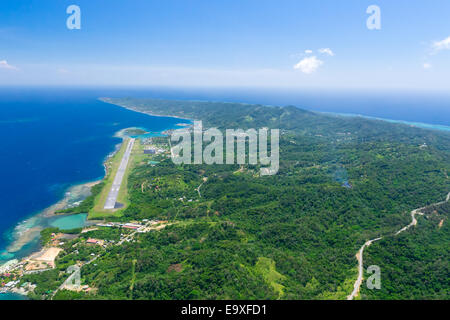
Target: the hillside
(293, 235)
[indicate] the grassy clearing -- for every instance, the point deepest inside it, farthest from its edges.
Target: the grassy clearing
(343, 290)
(265, 267)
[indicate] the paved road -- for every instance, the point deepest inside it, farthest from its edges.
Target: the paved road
(114, 192)
(68, 283)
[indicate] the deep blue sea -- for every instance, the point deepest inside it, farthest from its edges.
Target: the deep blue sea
(51, 140)
(54, 138)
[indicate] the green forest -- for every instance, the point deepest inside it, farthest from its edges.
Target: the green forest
(293, 235)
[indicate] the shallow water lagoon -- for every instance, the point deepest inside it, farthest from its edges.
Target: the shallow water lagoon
(70, 222)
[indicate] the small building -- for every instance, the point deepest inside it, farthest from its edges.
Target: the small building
(132, 226)
(94, 241)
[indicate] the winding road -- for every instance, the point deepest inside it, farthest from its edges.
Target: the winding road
(198, 188)
(359, 254)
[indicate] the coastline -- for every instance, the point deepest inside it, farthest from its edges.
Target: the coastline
(27, 236)
(421, 125)
(107, 100)
(74, 195)
(27, 232)
(80, 188)
(24, 234)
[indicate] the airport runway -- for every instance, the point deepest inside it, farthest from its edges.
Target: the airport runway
(114, 192)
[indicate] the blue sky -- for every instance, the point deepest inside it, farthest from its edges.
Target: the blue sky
(245, 43)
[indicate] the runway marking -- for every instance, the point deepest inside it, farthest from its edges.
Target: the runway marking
(114, 192)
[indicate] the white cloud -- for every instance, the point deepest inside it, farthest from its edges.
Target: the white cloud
(327, 51)
(308, 51)
(308, 65)
(4, 65)
(427, 66)
(441, 45)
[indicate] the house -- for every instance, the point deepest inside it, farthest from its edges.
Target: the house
(94, 241)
